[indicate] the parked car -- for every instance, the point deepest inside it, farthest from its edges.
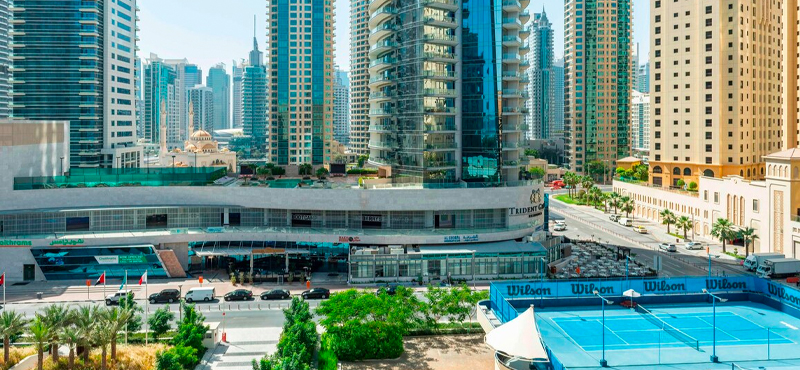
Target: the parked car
(205, 294)
(625, 221)
(640, 229)
(560, 227)
(389, 289)
(239, 295)
(614, 218)
(114, 298)
(694, 245)
(275, 294)
(316, 293)
(668, 247)
(561, 223)
(166, 295)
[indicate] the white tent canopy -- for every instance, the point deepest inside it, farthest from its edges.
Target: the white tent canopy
(518, 338)
(631, 293)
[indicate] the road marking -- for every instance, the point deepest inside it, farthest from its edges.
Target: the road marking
(788, 325)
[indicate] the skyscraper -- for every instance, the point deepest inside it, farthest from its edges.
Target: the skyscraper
(201, 108)
(558, 98)
(138, 71)
(161, 90)
(194, 76)
(360, 39)
(640, 124)
(420, 123)
(716, 100)
(254, 99)
(5, 59)
(643, 78)
(74, 61)
(790, 74)
(341, 107)
(301, 81)
(597, 84)
(220, 82)
(238, 73)
(541, 111)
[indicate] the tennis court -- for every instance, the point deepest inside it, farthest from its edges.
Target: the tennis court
(663, 334)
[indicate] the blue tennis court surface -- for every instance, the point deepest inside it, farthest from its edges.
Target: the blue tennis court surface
(671, 335)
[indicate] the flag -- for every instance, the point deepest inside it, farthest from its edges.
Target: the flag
(3, 279)
(143, 279)
(101, 279)
(124, 281)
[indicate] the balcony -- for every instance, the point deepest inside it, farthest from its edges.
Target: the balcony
(440, 146)
(441, 39)
(441, 21)
(377, 127)
(377, 33)
(523, 65)
(524, 16)
(511, 76)
(512, 23)
(381, 15)
(451, 5)
(512, 93)
(439, 164)
(510, 164)
(440, 92)
(378, 81)
(511, 58)
(381, 47)
(512, 111)
(382, 144)
(378, 112)
(511, 41)
(378, 65)
(376, 4)
(511, 6)
(524, 32)
(445, 75)
(443, 128)
(381, 96)
(443, 110)
(440, 57)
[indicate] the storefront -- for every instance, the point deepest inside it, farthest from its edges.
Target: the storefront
(72, 263)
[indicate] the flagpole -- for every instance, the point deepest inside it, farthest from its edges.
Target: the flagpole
(146, 308)
(125, 288)
(4, 291)
(104, 284)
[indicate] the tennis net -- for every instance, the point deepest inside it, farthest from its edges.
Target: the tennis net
(669, 329)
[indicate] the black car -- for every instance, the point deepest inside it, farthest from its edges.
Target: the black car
(389, 289)
(239, 295)
(276, 294)
(316, 293)
(166, 295)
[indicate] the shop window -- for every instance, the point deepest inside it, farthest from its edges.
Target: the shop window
(77, 223)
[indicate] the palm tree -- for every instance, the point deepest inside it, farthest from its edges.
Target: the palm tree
(115, 320)
(722, 229)
(613, 199)
(667, 218)
(71, 335)
(55, 317)
(626, 205)
(594, 195)
(11, 324)
(684, 223)
(104, 335)
(86, 320)
(40, 335)
(604, 199)
(747, 235)
(586, 182)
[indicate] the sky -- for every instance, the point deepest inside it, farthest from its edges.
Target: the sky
(207, 32)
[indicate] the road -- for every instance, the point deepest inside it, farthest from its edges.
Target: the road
(587, 223)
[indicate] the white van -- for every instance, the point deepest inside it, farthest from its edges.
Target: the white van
(625, 221)
(200, 295)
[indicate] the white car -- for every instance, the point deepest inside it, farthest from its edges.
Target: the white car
(114, 298)
(560, 227)
(668, 247)
(694, 245)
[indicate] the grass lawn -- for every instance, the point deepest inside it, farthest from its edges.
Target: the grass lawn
(566, 199)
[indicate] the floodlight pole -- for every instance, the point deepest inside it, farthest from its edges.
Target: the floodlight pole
(714, 300)
(603, 302)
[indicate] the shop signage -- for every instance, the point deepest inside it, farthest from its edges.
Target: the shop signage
(452, 239)
(302, 217)
(15, 243)
(372, 218)
(790, 295)
(646, 287)
(269, 251)
(107, 260)
(461, 238)
(536, 207)
(349, 239)
(67, 242)
(121, 260)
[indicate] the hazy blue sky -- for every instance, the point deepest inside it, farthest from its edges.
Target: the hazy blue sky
(211, 31)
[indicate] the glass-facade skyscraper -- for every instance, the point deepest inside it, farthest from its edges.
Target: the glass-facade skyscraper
(360, 36)
(300, 87)
(220, 82)
(161, 89)
(5, 59)
(254, 99)
(341, 107)
(541, 115)
(446, 89)
(236, 105)
(74, 61)
(201, 108)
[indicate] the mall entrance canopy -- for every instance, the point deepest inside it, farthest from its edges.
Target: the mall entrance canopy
(244, 248)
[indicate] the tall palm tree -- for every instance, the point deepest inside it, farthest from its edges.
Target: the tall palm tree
(104, 335)
(71, 335)
(747, 235)
(613, 200)
(115, 320)
(626, 205)
(667, 218)
(684, 223)
(55, 317)
(594, 195)
(86, 319)
(586, 182)
(40, 335)
(723, 230)
(11, 324)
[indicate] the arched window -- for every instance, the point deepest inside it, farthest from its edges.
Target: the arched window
(657, 169)
(741, 173)
(687, 171)
(676, 171)
(708, 173)
(748, 172)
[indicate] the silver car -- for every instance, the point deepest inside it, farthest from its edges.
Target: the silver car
(667, 247)
(694, 245)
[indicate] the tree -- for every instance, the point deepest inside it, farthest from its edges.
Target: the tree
(191, 330)
(133, 324)
(537, 173)
(627, 205)
(264, 171)
(104, 335)
(532, 153)
(322, 172)
(168, 360)
(86, 319)
(692, 186)
(586, 182)
(667, 218)
(40, 335)
(464, 303)
(614, 200)
(747, 235)
(641, 172)
(362, 159)
(71, 337)
(305, 169)
(594, 195)
(722, 230)
(56, 317)
(115, 320)
(597, 168)
(159, 322)
(11, 325)
(680, 183)
(684, 223)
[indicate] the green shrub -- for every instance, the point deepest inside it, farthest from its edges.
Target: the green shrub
(327, 359)
(362, 171)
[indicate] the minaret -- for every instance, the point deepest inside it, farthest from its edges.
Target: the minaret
(191, 120)
(163, 132)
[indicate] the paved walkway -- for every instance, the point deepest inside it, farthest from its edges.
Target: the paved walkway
(244, 345)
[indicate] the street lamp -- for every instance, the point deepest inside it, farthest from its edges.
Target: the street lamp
(62, 166)
(714, 300)
(180, 306)
(603, 302)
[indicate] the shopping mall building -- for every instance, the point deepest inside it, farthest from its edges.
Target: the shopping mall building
(170, 221)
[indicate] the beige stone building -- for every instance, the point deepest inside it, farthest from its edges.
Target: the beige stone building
(359, 76)
(201, 151)
(790, 33)
(715, 88)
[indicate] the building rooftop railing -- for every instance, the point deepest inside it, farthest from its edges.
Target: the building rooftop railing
(645, 184)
